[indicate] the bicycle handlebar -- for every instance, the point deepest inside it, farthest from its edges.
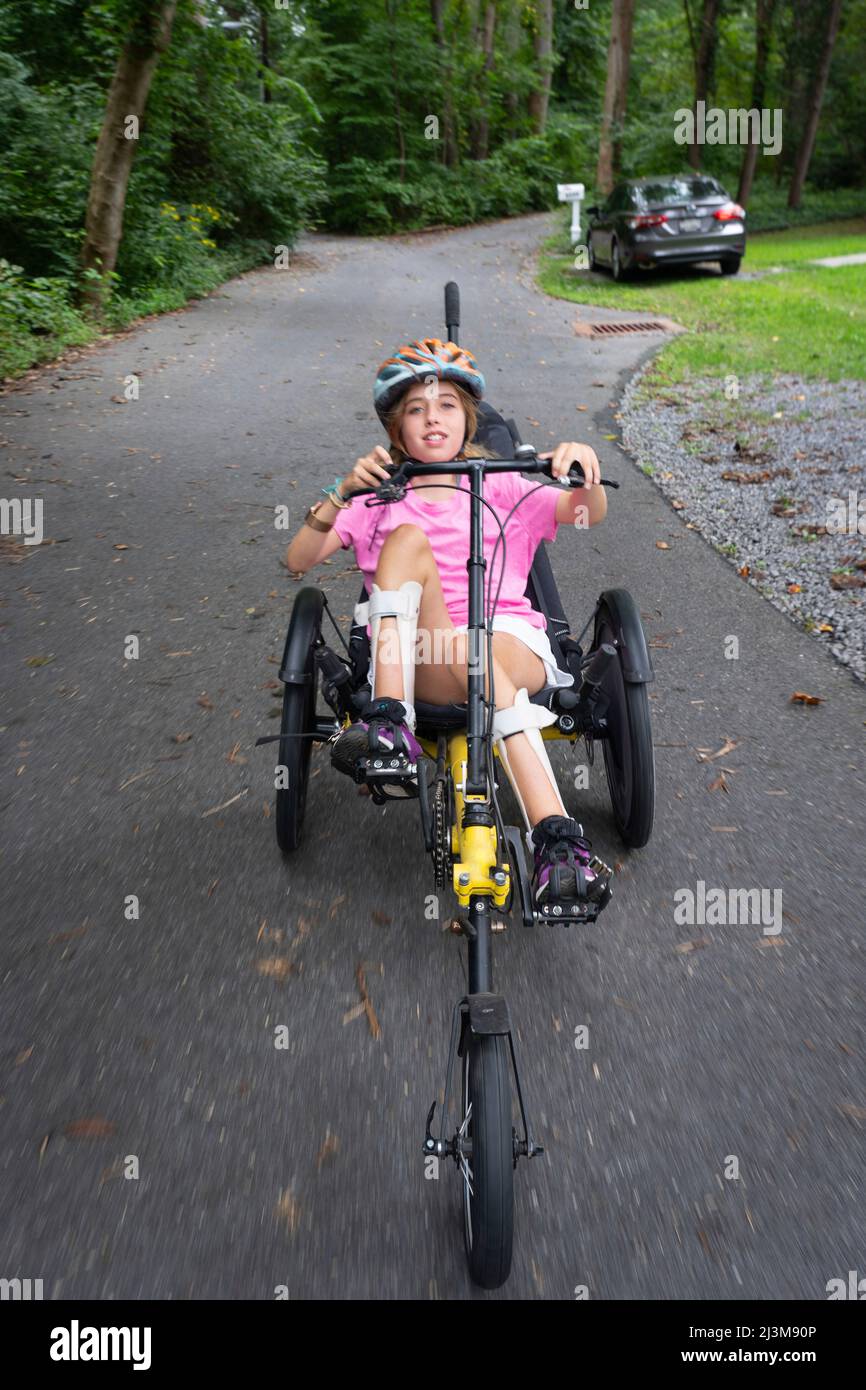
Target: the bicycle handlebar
(394, 490)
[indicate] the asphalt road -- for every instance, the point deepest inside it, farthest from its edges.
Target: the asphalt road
(154, 1038)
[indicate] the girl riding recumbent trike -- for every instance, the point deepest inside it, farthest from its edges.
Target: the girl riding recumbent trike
(493, 689)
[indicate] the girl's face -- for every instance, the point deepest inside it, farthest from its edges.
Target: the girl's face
(433, 427)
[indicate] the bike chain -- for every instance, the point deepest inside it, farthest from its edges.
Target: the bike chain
(441, 836)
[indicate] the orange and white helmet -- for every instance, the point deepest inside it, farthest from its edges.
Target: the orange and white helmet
(414, 362)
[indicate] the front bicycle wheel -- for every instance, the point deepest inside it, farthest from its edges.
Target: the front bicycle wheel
(487, 1163)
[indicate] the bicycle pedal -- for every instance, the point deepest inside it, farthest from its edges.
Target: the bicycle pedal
(396, 766)
(599, 868)
(567, 913)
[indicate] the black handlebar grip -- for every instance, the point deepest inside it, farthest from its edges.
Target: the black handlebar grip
(452, 305)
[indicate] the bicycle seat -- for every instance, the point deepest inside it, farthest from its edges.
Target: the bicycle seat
(454, 716)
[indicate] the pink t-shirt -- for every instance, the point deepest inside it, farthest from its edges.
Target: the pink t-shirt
(447, 528)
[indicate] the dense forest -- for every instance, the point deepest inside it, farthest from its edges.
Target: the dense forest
(151, 148)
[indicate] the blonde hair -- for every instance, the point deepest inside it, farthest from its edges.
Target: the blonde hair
(394, 421)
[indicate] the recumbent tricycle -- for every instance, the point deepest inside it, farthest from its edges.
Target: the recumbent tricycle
(473, 851)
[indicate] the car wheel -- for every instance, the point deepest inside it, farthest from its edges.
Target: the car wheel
(617, 268)
(730, 265)
(593, 263)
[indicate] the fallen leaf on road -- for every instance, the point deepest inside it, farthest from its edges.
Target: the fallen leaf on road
(278, 968)
(38, 660)
(857, 1112)
(181, 738)
(328, 1149)
(288, 1210)
(685, 947)
(95, 1128)
(368, 1006)
(205, 701)
(727, 747)
(719, 784)
(662, 545)
(800, 697)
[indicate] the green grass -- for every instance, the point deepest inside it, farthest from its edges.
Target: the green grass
(808, 320)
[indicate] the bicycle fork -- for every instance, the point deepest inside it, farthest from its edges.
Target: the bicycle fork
(480, 1012)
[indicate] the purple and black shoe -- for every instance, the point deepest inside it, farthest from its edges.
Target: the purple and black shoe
(566, 875)
(380, 749)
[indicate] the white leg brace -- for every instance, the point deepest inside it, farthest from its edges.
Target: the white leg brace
(524, 717)
(403, 604)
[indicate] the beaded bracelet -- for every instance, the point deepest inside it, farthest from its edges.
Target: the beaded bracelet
(336, 496)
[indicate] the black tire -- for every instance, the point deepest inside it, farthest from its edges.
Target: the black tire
(729, 265)
(593, 263)
(629, 759)
(299, 717)
(617, 269)
(488, 1212)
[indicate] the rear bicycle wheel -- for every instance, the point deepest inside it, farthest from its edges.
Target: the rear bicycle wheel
(298, 718)
(487, 1168)
(629, 758)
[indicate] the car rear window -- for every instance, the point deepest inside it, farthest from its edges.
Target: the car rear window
(678, 190)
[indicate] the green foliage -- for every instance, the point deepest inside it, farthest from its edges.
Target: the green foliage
(326, 111)
(33, 310)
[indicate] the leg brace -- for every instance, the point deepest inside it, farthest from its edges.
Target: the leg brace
(524, 717)
(403, 604)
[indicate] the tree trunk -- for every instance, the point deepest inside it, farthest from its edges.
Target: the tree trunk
(395, 83)
(615, 95)
(816, 101)
(264, 52)
(704, 62)
(450, 150)
(480, 136)
(543, 46)
(148, 38)
(511, 44)
(763, 30)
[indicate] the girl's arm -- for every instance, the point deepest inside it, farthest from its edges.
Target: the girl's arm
(588, 502)
(311, 546)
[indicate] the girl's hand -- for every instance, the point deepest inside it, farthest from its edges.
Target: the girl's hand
(564, 456)
(369, 471)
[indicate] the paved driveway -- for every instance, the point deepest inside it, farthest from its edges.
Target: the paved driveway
(153, 1038)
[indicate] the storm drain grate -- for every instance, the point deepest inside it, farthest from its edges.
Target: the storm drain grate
(598, 328)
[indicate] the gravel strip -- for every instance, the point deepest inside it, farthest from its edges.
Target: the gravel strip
(792, 518)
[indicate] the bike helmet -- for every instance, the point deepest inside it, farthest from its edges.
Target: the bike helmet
(415, 361)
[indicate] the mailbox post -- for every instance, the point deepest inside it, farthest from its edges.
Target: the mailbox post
(572, 193)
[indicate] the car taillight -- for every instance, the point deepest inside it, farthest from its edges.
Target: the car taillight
(728, 211)
(648, 219)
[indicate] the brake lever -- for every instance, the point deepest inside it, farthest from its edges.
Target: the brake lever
(575, 479)
(394, 490)
(581, 482)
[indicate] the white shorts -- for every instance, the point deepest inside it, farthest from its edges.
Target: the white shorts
(534, 637)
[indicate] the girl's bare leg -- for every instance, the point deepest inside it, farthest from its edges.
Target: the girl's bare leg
(406, 554)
